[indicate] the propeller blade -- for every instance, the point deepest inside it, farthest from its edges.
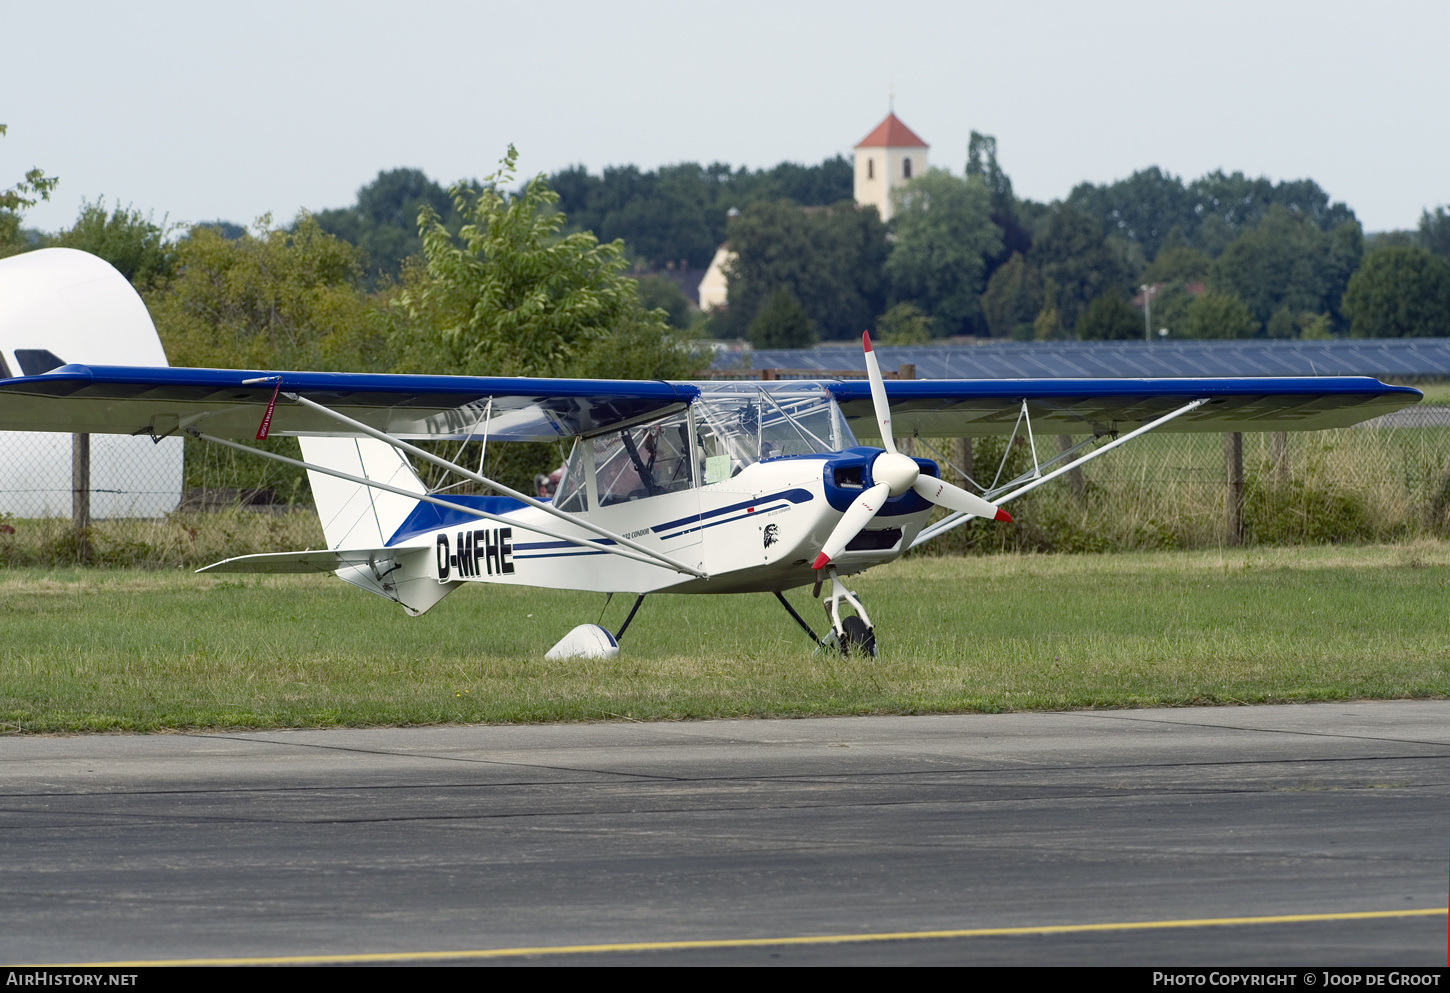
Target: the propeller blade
(857, 516)
(878, 394)
(952, 497)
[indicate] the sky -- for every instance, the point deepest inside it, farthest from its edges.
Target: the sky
(194, 112)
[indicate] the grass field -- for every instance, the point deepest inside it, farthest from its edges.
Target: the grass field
(101, 650)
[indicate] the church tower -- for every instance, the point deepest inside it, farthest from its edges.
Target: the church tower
(888, 157)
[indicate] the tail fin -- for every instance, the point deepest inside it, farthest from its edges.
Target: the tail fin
(357, 521)
(353, 515)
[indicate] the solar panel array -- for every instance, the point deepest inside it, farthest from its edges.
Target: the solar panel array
(1385, 358)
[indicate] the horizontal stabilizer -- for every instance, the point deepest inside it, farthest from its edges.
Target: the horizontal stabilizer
(405, 576)
(308, 561)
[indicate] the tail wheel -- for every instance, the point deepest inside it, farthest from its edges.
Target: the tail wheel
(859, 638)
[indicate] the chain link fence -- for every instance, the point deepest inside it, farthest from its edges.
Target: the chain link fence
(185, 503)
(1170, 491)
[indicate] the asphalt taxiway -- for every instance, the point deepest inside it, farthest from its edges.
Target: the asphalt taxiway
(1266, 833)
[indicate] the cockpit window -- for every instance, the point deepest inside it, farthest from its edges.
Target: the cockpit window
(572, 494)
(739, 424)
(735, 425)
(643, 461)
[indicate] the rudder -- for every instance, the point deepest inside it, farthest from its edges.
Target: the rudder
(354, 515)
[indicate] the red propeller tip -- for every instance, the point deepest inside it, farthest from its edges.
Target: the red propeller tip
(1003, 516)
(866, 340)
(822, 560)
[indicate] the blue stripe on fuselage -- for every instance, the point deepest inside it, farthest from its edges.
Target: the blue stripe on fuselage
(762, 505)
(428, 517)
(794, 496)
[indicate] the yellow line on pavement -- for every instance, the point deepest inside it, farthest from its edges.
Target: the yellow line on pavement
(824, 939)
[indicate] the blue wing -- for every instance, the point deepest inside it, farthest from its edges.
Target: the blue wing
(230, 403)
(951, 408)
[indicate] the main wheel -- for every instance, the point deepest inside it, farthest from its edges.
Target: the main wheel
(859, 638)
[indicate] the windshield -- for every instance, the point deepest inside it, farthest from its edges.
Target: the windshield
(738, 424)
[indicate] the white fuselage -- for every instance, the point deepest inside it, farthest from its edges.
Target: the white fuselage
(755, 532)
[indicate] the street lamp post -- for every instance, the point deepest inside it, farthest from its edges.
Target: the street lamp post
(1147, 312)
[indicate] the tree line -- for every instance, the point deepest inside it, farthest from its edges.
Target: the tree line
(416, 276)
(1223, 256)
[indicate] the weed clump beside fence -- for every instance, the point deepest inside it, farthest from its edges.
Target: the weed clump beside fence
(1169, 491)
(181, 540)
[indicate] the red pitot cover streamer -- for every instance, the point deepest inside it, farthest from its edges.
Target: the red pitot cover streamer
(267, 417)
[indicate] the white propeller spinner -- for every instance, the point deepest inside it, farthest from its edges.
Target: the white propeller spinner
(895, 474)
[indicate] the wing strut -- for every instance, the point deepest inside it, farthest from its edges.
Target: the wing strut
(429, 498)
(550, 509)
(1038, 478)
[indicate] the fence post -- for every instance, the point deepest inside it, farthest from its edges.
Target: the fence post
(1233, 457)
(80, 497)
(906, 370)
(1074, 476)
(963, 457)
(1279, 456)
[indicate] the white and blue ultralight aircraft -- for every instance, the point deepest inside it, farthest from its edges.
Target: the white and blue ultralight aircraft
(711, 487)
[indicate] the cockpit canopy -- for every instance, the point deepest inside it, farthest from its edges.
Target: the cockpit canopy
(730, 426)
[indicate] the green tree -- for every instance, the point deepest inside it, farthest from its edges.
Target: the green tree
(1282, 324)
(1012, 299)
(1179, 263)
(829, 258)
(510, 297)
(944, 236)
(904, 324)
(1315, 327)
(1072, 252)
(1434, 234)
(1110, 318)
(1007, 210)
(659, 292)
(1219, 315)
(1144, 207)
(681, 211)
(36, 186)
(1048, 326)
(1399, 293)
(1286, 261)
(132, 243)
(384, 221)
(274, 300)
(782, 323)
(1169, 306)
(982, 164)
(1208, 213)
(230, 230)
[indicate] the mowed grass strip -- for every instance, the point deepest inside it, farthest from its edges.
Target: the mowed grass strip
(109, 650)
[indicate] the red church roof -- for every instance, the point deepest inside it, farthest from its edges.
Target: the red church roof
(891, 133)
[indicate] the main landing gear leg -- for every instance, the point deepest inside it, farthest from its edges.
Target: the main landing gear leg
(854, 632)
(632, 611)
